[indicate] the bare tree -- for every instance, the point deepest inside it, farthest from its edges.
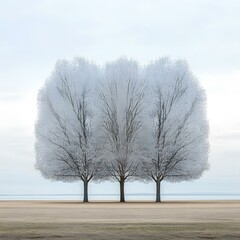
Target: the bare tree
(66, 147)
(121, 108)
(178, 148)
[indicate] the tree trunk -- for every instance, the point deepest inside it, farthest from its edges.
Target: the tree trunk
(85, 194)
(122, 196)
(158, 191)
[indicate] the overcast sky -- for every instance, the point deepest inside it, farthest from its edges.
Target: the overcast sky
(35, 34)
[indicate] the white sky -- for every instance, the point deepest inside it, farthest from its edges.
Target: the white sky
(34, 34)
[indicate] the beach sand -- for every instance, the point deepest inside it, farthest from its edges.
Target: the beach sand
(113, 221)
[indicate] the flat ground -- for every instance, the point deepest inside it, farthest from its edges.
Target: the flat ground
(113, 221)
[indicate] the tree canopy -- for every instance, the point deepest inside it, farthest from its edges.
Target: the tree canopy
(122, 122)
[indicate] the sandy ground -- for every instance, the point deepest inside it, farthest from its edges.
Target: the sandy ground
(132, 220)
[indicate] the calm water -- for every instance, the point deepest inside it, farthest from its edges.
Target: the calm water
(139, 197)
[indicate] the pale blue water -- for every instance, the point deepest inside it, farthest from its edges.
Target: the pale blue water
(139, 197)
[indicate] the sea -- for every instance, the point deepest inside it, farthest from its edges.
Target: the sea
(128, 197)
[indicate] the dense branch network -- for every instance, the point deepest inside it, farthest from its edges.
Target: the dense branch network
(121, 123)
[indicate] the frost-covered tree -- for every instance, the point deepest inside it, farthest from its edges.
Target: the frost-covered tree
(66, 142)
(121, 107)
(178, 141)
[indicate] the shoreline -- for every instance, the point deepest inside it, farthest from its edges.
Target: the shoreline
(128, 201)
(53, 219)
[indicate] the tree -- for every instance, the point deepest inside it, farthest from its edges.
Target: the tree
(66, 142)
(121, 108)
(178, 144)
